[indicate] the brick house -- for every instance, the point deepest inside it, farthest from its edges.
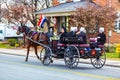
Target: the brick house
(115, 38)
(62, 15)
(61, 11)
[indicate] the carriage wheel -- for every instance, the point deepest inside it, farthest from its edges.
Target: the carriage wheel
(99, 61)
(71, 56)
(42, 54)
(44, 57)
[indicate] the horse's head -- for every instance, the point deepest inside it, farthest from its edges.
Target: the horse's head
(21, 29)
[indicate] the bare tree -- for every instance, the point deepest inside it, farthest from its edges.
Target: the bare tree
(1, 9)
(20, 11)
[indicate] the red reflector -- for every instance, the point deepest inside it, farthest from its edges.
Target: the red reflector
(82, 51)
(93, 52)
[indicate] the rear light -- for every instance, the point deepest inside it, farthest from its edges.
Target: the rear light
(82, 51)
(93, 52)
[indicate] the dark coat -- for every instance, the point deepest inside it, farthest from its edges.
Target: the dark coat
(63, 35)
(71, 34)
(102, 38)
(83, 37)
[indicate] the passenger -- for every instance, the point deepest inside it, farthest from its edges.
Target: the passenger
(72, 32)
(63, 34)
(101, 39)
(81, 34)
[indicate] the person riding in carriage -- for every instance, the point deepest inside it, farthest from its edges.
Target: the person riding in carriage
(63, 34)
(72, 32)
(82, 35)
(101, 39)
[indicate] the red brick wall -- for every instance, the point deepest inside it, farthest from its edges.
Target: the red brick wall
(114, 3)
(115, 38)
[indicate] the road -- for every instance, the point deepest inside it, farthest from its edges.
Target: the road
(15, 68)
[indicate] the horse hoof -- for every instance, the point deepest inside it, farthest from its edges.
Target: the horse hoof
(26, 60)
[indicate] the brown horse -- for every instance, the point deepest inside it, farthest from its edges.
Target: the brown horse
(31, 36)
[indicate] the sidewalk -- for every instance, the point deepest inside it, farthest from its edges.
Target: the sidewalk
(22, 52)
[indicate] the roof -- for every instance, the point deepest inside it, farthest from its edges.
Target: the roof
(63, 9)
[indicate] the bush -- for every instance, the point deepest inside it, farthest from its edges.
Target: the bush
(112, 49)
(12, 42)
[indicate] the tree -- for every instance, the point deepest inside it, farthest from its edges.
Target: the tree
(1, 9)
(92, 17)
(21, 11)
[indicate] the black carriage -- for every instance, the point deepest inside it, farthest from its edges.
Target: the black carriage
(72, 50)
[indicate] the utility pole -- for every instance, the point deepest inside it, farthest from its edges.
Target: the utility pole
(109, 31)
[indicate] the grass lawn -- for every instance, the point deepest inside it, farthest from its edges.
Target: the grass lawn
(5, 45)
(114, 56)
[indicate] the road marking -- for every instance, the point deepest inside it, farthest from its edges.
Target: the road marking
(59, 70)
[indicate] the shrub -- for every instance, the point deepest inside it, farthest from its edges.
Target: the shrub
(112, 49)
(12, 42)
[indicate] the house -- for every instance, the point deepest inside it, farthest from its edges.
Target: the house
(62, 9)
(59, 14)
(115, 38)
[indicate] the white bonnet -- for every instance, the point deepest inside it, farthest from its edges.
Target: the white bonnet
(101, 29)
(73, 29)
(82, 29)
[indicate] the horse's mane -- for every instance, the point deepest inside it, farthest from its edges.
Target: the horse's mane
(27, 29)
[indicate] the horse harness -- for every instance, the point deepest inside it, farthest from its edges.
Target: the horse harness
(30, 34)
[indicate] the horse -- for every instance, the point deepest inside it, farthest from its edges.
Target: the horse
(31, 36)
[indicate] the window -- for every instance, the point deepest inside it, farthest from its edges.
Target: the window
(117, 24)
(1, 31)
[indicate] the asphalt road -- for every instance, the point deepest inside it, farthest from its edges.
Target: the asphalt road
(15, 68)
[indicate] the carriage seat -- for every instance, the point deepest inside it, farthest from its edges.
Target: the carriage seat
(93, 40)
(61, 44)
(100, 46)
(72, 40)
(84, 45)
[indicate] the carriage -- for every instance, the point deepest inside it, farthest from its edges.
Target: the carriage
(72, 50)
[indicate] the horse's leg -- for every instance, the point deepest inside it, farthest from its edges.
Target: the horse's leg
(28, 49)
(35, 47)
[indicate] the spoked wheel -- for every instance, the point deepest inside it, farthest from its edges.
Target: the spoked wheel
(42, 54)
(71, 56)
(99, 61)
(45, 56)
